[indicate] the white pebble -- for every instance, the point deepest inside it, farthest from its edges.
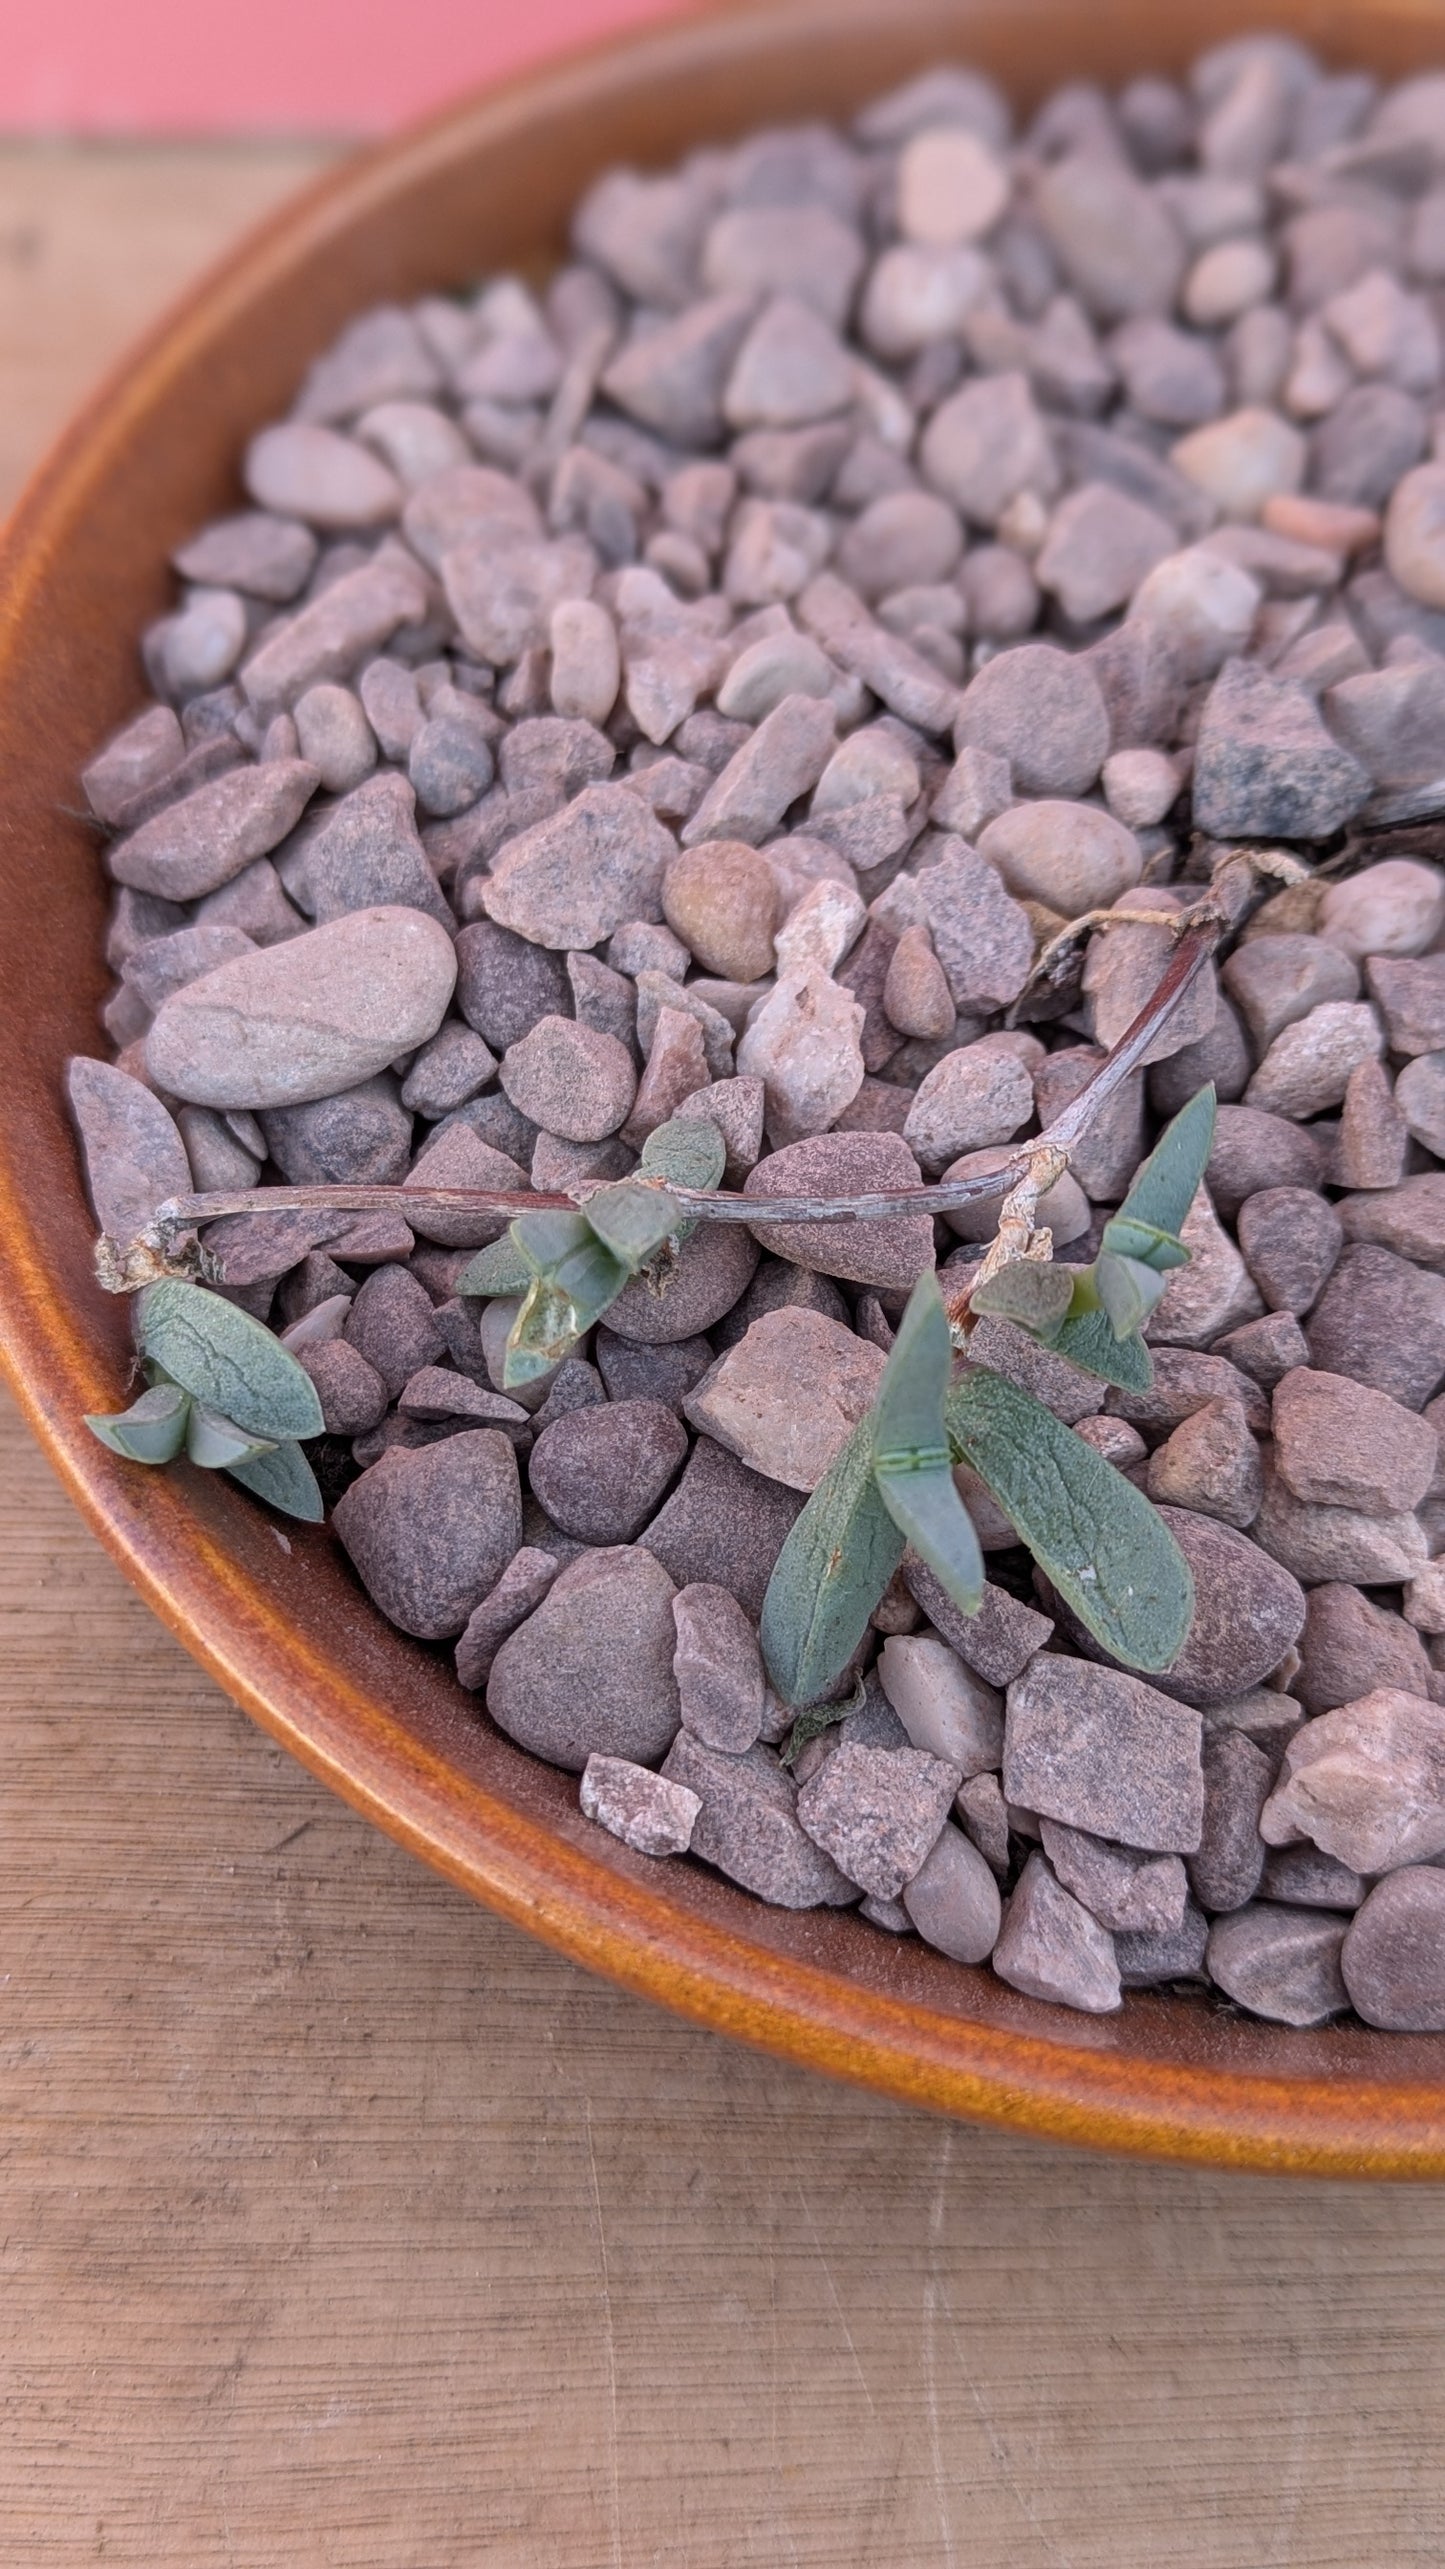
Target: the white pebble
(951, 188)
(586, 661)
(1226, 281)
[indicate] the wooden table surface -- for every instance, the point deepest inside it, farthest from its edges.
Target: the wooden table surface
(343, 2228)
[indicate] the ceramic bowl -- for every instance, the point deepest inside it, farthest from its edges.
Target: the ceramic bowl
(277, 1618)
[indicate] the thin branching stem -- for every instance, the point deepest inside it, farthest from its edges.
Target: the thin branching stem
(1236, 886)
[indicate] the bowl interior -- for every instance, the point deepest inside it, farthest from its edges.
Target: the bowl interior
(277, 1615)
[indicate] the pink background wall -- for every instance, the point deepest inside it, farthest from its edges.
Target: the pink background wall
(272, 66)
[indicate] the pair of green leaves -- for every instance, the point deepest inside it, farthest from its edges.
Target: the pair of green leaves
(1093, 1534)
(224, 1391)
(569, 1268)
(1096, 1315)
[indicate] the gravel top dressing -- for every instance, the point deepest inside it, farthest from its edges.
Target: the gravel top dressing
(763, 716)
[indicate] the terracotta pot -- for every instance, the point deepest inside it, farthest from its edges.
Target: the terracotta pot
(279, 1620)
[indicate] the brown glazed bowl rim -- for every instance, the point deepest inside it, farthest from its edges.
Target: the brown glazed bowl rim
(275, 1618)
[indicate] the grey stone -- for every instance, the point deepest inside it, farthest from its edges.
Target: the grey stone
(1112, 236)
(1253, 1150)
(1394, 908)
(1041, 709)
(360, 1138)
(202, 841)
(1308, 1067)
(1050, 1947)
(987, 443)
(505, 984)
(1105, 1753)
(1265, 766)
(1365, 1783)
(430, 1531)
(300, 468)
(1210, 1464)
(724, 1525)
(1317, 1541)
(711, 1271)
(336, 631)
(393, 1324)
(135, 1159)
(1213, 1293)
(984, 1814)
(1306, 1879)
(570, 1079)
(998, 1642)
(788, 1396)
(973, 1097)
(600, 1471)
(1409, 992)
(891, 1252)
(664, 1374)
(791, 369)
(1351, 1646)
(748, 1826)
(1117, 1885)
(943, 1705)
(953, 1899)
(673, 378)
(1248, 1612)
(448, 1071)
(1291, 1239)
(781, 760)
(517, 1594)
(574, 1384)
(305, 1019)
(437, 1392)
(1393, 1956)
(648, 1812)
(1226, 1867)
(1343, 1444)
(877, 1812)
(570, 880)
(1408, 1219)
(718, 1668)
(1185, 1378)
(1099, 547)
(1266, 1350)
(1280, 1963)
(735, 1106)
(352, 1394)
(981, 936)
(267, 557)
(334, 735)
(167, 963)
(590, 1671)
(1274, 980)
(1152, 1958)
(1382, 1322)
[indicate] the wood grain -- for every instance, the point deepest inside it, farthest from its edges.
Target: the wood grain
(343, 2228)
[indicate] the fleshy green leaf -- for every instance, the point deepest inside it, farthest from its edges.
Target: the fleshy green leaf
(1112, 1559)
(222, 1356)
(1127, 1290)
(561, 1305)
(545, 1239)
(1147, 1247)
(690, 1151)
(829, 1576)
(910, 1448)
(1033, 1294)
(908, 1429)
(152, 1430)
(285, 1480)
(928, 1512)
(218, 1444)
(1166, 1185)
(1087, 1339)
(499, 1269)
(632, 1221)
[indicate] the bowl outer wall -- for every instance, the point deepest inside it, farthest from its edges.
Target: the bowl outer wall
(274, 1615)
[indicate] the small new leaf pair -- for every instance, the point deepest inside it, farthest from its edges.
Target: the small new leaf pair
(569, 1268)
(225, 1392)
(1096, 1315)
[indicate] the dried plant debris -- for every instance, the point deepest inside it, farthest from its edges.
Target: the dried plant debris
(779, 1018)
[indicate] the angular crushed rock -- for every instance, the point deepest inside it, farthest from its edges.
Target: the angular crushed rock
(1104, 1752)
(877, 1812)
(650, 1813)
(1050, 1947)
(748, 1826)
